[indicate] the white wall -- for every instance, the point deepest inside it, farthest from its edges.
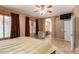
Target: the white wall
(67, 30)
(22, 24)
(73, 33)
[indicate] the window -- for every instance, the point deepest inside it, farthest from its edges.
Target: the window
(1, 26)
(5, 26)
(7, 21)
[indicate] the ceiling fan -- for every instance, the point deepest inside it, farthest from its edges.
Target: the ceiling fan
(42, 9)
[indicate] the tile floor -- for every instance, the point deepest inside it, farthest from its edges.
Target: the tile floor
(63, 46)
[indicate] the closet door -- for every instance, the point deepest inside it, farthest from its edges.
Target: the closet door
(59, 28)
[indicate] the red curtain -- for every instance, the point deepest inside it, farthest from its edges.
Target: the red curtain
(15, 26)
(37, 29)
(27, 26)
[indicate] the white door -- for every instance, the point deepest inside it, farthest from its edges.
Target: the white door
(69, 34)
(67, 30)
(72, 33)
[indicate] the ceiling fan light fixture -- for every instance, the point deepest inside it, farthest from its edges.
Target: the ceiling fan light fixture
(42, 9)
(42, 12)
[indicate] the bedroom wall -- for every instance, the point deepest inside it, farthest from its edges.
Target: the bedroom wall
(22, 16)
(57, 27)
(76, 14)
(53, 27)
(22, 24)
(34, 33)
(41, 24)
(6, 11)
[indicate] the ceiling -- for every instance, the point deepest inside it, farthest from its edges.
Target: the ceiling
(29, 10)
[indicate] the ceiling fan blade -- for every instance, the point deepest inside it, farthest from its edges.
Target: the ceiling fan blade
(42, 6)
(38, 6)
(36, 11)
(49, 11)
(49, 6)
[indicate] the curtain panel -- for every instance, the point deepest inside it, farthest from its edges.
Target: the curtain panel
(15, 26)
(27, 26)
(37, 29)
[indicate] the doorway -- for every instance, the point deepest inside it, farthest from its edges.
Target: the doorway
(48, 26)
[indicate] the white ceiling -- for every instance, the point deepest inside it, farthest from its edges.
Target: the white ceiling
(29, 10)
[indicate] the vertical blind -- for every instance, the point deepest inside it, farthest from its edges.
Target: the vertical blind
(1, 26)
(5, 26)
